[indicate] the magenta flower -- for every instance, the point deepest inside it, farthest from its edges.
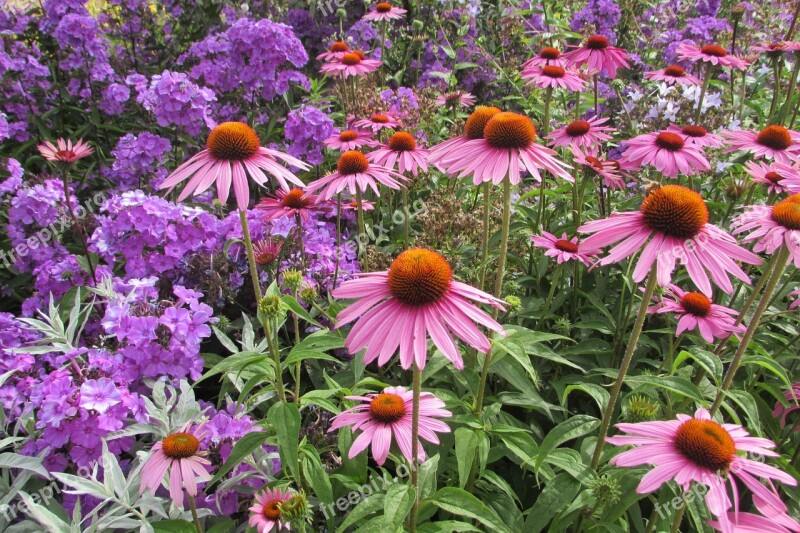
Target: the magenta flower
(353, 63)
(673, 75)
(563, 249)
(773, 142)
(671, 226)
(598, 55)
(378, 121)
(385, 11)
(386, 417)
(694, 310)
(289, 204)
(582, 133)
(335, 52)
(792, 396)
(697, 136)
(554, 77)
(796, 303)
(267, 250)
(455, 99)
(401, 150)
(349, 140)
(265, 513)
(546, 56)
(64, 151)
(711, 53)
(613, 172)
(779, 177)
(99, 395)
(355, 173)
(772, 226)
(415, 298)
(666, 151)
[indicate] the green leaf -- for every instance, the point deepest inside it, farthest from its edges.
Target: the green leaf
(559, 491)
(572, 428)
(770, 365)
(243, 447)
(371, 504)
(23, 462)
(285, 418)
(399, 499)
(671, 383)
(427, 477)
(173, 526)
(314, 472)
(707, 360)
(597, 392)
(467, 441)
(299, 310)
(462, 503)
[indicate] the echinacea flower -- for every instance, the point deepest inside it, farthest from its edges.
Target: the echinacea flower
(473, 129)
(792, 396)
(349, 140)
(554, 77)
(265, 513)
(584, 133)
(180, 455)
(353, 63)
(335, 52)
(386, 417)
(773, 142)
(415, 298)
(403, 151)
(546, 56)
(233, 151)
(671, 226)
(711, 53)
(698, 449)
(694, 310)
(612, 171)
(667, 151)
(796, 303)
(455, 99)
(778, 177)
(355, 173)
(773, 50)
(266, 251)
(378, 121)
(772, 226)
(563, 249)
(598, 55)
(289, 204)
(385, 11)
(673, 75)
(697, 136)
(64, 151)
(353, 206)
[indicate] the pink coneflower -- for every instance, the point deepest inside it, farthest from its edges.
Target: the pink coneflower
(507, 147)
(613, 172)
(385, 11)
(773, 142)
(771, 226)
(415, 298)
(64, 151)
(403, 151)
(473, 129)
(352, 205)
(563, 249)
(553, 76)
(386, 417)
(672, 75)
(180, 455)
(792, 396)
(456, 99)
(752, 523)
(335, 52)
(773, 50)
(778, 177)
(378, 121)
(232, 152)
(265, 514)
(695, 310)
(582, 133)
(546, 56)
(355, 173)
(700, 450)
(796, 303)
(353, 63)
(349, 140)
(668, 152)
(672, 225)
(289, 204)
(711, 53)
(598, 54)
(266, 251)
(697, 136)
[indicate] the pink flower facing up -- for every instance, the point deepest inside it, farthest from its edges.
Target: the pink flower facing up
(415, 298)
(673, 75)
(386, 417)
(582, 133)
(335, 53)
(353, 63)
(378, 121)
(711, 53)
(792, 396)
(508, 147)
(401, 150)
(350, 140)
(697, 136)
(672, 225)
(456, 99)
(232, 152)
(613, 172)
(473, 129)
(598, 55)
(546, 56)
(700, 450)
(289, 204)
(773, 142)
(695, 310)
(64, 151)
(355, 173)
(180, 455)
(265, 514)
(668, 152)
(770, 226)
(778, 177)
(554, 77)
(563, 249)
(385, 11)
(353, 206)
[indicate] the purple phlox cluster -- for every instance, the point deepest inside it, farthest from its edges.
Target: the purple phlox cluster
(138, 161)
(599, 16)
(175, 100)
(361, 36)
(669, 24)
(305, 129)
(114, 98)
(401, 100)
(86, 59)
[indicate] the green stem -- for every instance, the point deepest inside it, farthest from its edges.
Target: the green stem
(405, 218)
(504, 232)
(677, 519)
(787, 105)
(81, 234)
(299, 226)
(545, 127)
(416, 388)
(706, 81)
(338, 238)
(362, 233)
(484, 235)
(553, 285)
(776, 88)
(195, 518)
(297, 367)
(596, 91)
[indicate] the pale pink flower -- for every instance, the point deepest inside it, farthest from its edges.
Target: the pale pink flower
(378, 121)
(778, 177)
(546, 56)
(401, 150)
(667, 151)
(350, 140)
(289, 204)
(694, 310)
(335, 52)
(792, 396)
(385, 11)
(673, 74)
(711, 53)
(598, 55)
(473, 129)
(265, 513)
(613, 172)
(64, 151)
(773, 142)
(355, 173)
(456, 98)
(554, 77)
(353, 63)
(697, 136)
(582, 133)
(771, 226)
(563, 249)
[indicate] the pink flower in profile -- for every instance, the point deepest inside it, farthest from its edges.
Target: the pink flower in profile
(694, 310)
(355, 173)
(233, 151)
(775, 49)
(353, 63)
(613, 172)
(792, 396)
(598, 55)
(796, 303)
(386, 417)
(773, 142)
(349, 140)
(700, 450)
(778, 177)
(771, 226)
(582, 133)
(64, 151)
(554, 77)
(667, 151)
(352, 205)
(671, 226)
(378, 121)
(455, 99)
(401, 150)
(265, 513)
(508, 147)
(266, 251)
(180, 455)
(290, 204)
(385, 11)
(415, 298)
(546, 56)
(473, 129)
(697, 136)
(335, 52)
(711, 53)
(752, 523)
(563, 249)
(673, 75)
